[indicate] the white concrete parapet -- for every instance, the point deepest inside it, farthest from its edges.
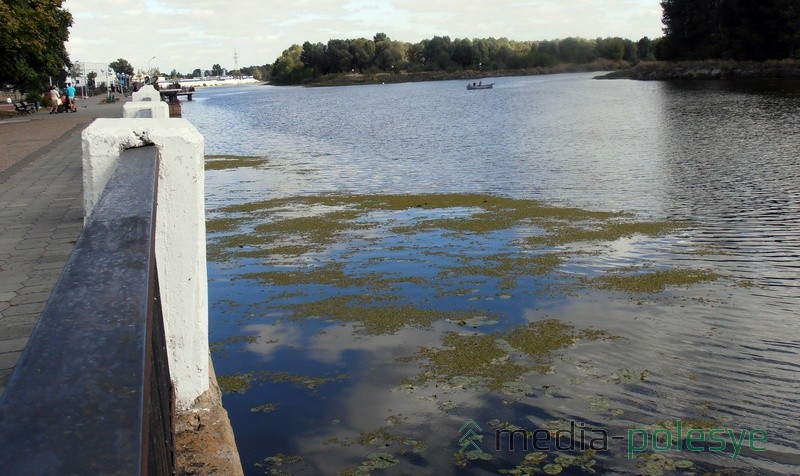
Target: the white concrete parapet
(146, 103)
(145, 109)
(146, 93)
(180, 233)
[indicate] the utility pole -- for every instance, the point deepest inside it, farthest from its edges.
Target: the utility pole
(236, 62)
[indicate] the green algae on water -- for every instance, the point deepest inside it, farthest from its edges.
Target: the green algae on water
(560, 234)
(487, 359)
(506, 267)
(653, 281)
(374, 318)
(384, 436)
(299, 380)
(222, 347)
(264, 408)
(273, 463)
(463, 458)
(235, 383)
(242, 382)
(225, 162)
(476, 355)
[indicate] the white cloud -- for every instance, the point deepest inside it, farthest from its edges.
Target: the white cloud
(186, 34)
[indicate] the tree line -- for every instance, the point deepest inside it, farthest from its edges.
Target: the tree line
(731, 29)
(299, 64)
(33, 37)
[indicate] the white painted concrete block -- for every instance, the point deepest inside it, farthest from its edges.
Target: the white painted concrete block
(145, 109)
(180, 232)
(146, 93)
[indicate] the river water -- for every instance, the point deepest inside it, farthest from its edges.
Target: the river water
(312, 391)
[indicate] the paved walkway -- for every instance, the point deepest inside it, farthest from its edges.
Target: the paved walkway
(41, 215)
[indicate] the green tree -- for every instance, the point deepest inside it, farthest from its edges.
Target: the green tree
(32, 42)
(464, 53)
(315, 56)
(339, 57)
(767, 29)
(288, 69)
(197, 73)
(438, 52)
(362, 52)
(577, 50)
(216, 70)
(691, 29)
(611, 48)
(260, 73)
(91, 80)
(645, 49)
(121, 66)
(389, 55)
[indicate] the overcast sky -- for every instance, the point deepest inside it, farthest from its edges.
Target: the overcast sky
(189, 34)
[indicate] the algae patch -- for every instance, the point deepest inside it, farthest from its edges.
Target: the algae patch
(326, 218)
(235, 383)
(242, 382)
(225, 162)
(498, 361)
(264, 408)
(374, 318)
(653, 281)
(561, 234)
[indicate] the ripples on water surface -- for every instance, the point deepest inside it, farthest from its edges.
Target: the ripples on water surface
(721, 157)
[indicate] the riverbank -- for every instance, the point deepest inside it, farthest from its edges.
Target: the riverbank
(351, 79)
(709, 69)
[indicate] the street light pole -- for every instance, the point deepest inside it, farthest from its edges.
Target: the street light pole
(148, 64)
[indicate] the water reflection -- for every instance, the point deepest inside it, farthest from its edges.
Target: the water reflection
(717, 154)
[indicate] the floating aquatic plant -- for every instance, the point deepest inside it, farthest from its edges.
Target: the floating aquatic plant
(273, 464)
(656, 464)
(477, 359)
(235, 383)
(375, 318)
(241, 382)
(224, 162)
(264, 408)
(652, 281)
(463, 458)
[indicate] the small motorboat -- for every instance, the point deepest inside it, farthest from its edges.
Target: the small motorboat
(472, 86)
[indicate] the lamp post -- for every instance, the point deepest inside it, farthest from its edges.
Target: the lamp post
(148, 64)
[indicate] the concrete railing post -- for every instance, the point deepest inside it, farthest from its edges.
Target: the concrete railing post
(180, 233)
(146, 103)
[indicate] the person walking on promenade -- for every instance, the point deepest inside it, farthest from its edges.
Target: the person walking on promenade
(71, 97)
(54, 100)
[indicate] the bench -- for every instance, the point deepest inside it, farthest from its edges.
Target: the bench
(24, 108)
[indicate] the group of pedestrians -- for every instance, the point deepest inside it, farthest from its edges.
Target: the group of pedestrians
(62, 103)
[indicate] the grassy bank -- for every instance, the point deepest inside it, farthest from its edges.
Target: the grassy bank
(709, 69)
(347, 79)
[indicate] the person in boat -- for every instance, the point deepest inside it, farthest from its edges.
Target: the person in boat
(473, 83)
(480, 83)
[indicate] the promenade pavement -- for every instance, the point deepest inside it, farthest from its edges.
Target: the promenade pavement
(41, 214)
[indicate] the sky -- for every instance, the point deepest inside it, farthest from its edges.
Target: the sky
(190, 34)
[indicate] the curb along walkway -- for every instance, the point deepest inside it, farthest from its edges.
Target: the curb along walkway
(41, 215)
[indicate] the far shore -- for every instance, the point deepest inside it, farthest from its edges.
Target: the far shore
(350, 79)
(709, 69)
(644, 71)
